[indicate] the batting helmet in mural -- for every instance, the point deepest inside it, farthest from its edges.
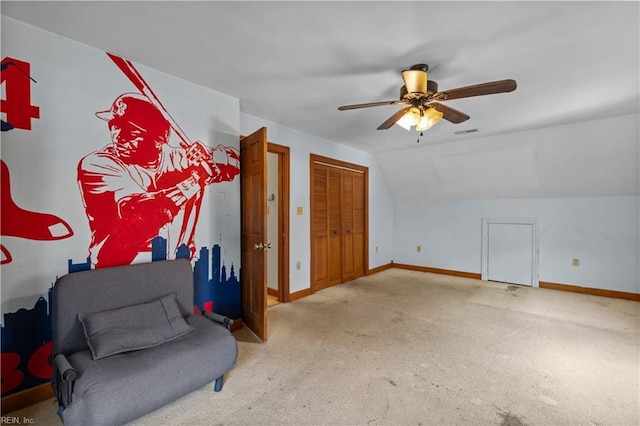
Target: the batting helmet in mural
(138, 129)
(135, 110)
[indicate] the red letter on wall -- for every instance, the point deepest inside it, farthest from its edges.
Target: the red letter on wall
(15, 75)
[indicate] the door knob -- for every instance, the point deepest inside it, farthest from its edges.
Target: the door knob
(258, 246)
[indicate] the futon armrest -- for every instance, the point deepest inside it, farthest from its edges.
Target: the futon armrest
(226, 321)
(66, 372)
(65, 376)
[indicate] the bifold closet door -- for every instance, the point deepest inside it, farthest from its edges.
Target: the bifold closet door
(335, 250)
(353, 229)
(359, 228)
(320, 228)
(338, 225)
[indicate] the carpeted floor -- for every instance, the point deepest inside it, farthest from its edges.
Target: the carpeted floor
(409, 348)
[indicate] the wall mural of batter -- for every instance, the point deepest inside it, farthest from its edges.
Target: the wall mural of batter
(141, 194)
(139, 187)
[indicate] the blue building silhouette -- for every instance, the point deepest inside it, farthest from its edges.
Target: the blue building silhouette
(212, 290)
(26, 333)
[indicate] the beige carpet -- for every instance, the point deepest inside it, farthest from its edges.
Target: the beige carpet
(409, 348)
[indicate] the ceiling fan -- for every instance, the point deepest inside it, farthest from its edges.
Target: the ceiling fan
(424, 100)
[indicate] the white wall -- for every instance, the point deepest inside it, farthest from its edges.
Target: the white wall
(588, 159)
(603, 232)
(301, 146)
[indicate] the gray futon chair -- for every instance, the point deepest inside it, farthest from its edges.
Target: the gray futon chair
(126, 342)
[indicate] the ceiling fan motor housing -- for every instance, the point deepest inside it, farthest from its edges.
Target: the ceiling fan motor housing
(432, 87)
(420, 67)
(415, 80)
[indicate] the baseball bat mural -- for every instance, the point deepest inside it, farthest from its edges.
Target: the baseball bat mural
(130, 71)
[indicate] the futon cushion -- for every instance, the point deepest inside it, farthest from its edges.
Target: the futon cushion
(134, 327)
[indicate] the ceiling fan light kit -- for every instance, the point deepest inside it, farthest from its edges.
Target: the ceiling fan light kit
(409, 118)
(429, 117)
(425, 108)
(419, 118)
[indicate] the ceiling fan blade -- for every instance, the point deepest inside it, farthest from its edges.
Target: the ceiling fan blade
(490, 88)
(450, 114)
(370, 104)
(392, 120)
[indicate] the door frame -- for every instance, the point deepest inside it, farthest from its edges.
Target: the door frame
(535, 244)
(283, 153)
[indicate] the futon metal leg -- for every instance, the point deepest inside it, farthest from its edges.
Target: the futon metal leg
(218, 385)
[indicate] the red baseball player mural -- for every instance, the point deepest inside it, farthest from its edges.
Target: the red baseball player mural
(139, 186)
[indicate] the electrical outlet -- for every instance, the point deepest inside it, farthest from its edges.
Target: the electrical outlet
(575, 261)
(419, 248)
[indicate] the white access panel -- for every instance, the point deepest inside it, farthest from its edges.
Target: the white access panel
(510, 251)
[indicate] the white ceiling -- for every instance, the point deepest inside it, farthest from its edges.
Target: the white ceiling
(294, 63)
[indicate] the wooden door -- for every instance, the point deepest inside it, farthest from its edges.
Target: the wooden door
(359, 225)
(348, 243)
(253, 172)
(319, 227)
(335, 247)
(326, 229)
(353, 225)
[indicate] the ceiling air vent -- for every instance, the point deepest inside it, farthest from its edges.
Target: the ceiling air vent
(464, 132)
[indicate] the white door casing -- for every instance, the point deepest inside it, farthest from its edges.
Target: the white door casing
(510, 250)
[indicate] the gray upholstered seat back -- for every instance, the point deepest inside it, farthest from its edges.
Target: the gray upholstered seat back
(109, 288)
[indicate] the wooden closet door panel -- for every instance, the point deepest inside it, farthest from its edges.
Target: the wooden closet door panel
(359, 224)
(335, 249)
(320, 228)
(348, 261)
(320, 262)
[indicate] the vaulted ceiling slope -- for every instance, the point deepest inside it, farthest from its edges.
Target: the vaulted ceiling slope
(294, 63)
